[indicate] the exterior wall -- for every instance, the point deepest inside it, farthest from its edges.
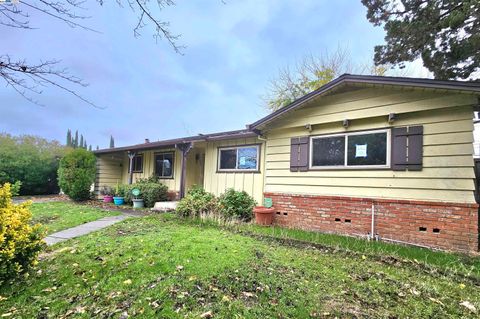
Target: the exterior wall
(447, 173)
(109, 171)
(173, 184)
(448, 226)
(216, 182)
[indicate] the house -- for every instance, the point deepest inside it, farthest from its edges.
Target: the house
(363, 155)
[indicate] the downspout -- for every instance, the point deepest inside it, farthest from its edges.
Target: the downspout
(372, 235)
(184, 148)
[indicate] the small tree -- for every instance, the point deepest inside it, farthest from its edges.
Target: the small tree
(76, 174)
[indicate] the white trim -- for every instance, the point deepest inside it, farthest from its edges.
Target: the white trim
(236, 169)
(345, 160)
(155, 163)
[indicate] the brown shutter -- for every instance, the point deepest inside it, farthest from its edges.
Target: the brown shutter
(299, 149)
(294, 154)
(410, 138)
(399, 149)
(415, 148)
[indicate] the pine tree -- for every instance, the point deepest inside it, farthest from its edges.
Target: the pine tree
(90, 147)
(81, 141)
(85, 144)
(98, 148)
(112, 142)
(69, 138)
(75, 141)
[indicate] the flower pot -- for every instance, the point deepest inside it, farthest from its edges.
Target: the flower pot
(108, 199)
(264, 215)
(137, 203)
(118, 200)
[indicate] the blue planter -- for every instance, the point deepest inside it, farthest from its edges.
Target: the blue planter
(118, 201)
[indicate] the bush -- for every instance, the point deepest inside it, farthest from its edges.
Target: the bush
(196, 202)
(76, 174)
(150, 192)
(31, 160)
(20, 243)
(236, 204)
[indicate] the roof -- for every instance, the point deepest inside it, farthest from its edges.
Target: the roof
(252, 129)
(459, 86)
(182, 140)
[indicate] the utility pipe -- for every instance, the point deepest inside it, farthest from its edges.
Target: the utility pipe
(372, 233)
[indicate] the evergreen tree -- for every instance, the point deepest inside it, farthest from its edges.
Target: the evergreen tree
(90, 147)
(112, 142)
(75, 141)
(98, 148)
(69, 138)
(85, 144)
(81, 141)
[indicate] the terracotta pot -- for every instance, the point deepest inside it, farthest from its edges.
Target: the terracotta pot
(107, 199)
(264, 215)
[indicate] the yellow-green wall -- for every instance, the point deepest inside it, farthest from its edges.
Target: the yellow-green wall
(447, 173)
(217, 182)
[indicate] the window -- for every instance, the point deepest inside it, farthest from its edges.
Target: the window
(137, 163)
(244, 158)
(351, 150)
(164, 165)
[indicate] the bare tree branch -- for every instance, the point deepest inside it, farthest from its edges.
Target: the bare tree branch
(30, 79)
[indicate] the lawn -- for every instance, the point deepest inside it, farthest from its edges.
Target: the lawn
(56, 216)
(164, 267)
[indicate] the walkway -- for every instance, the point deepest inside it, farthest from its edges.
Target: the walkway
(85, 228)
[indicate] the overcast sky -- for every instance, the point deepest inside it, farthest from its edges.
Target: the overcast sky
(149, 91)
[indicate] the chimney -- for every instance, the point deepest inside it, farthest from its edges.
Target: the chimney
(147, 141)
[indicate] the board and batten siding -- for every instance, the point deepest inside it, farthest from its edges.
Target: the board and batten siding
(217, 182)
(173, 184)
(109, 172)
(447, 173)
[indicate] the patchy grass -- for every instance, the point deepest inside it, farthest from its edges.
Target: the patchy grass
(56, 216)
(449, 262)
(165, 267)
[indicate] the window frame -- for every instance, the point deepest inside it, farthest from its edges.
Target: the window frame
(172, 176)
(134, 170)
(237, 170)
(345, 160)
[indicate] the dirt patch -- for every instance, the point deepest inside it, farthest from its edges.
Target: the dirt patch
(41, 198)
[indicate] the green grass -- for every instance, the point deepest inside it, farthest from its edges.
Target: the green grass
(449, 262)
(164, 267)
(56, 216)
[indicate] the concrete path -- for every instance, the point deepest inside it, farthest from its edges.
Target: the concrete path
(85, 228)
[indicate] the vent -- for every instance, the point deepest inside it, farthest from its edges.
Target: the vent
(348, 220)
(338, 220)
(436, 230)
(422, 228)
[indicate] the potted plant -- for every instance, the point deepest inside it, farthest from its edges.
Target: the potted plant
(264, 214)
(137, 202)
(118, 199)
(107, 193)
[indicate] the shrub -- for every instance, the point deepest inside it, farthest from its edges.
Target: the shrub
(150, 192)
(77, 173)
(31, 160)
(236, 204)
(20, 243)
(196, 202)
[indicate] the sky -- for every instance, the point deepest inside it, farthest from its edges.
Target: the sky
(147, 90)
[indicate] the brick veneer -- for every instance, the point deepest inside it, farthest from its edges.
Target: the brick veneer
(447, 226)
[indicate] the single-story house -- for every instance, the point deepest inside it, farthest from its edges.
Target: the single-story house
(385, 157)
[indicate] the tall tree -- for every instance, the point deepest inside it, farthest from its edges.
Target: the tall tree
(85, 144)
(75, 141)
(81, 141)
(90, 147)
(445, 34)
(69, 138)
(112, 142)
(311, 73)
(29, 78)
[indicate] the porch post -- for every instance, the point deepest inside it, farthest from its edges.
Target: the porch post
(184, 148)
(131, 155)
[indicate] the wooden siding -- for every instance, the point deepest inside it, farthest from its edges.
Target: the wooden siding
(109, 172)
(217, 182)
(447, 173)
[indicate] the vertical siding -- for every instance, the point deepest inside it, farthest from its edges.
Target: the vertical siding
(447, 173)
(109, 171)
(217, 182)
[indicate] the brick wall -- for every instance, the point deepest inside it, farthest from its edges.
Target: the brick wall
(447, 226)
